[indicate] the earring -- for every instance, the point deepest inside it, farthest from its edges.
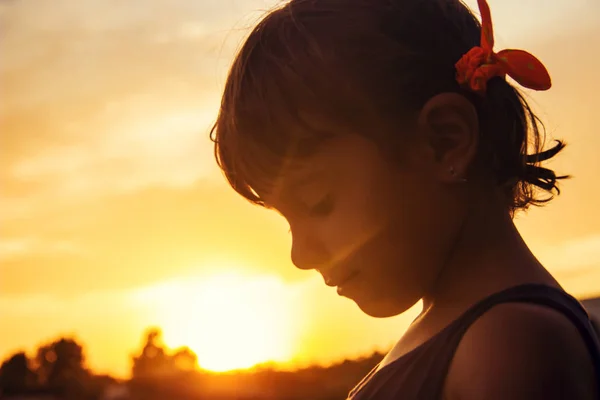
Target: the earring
(453, 173)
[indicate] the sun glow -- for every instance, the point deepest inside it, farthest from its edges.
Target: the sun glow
(229, 321)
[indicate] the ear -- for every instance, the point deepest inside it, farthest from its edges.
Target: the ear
(451, 127)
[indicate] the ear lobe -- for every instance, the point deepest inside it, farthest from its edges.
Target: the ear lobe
(450, 123)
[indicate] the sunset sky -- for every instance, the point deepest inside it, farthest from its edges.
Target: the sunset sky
(115, 217)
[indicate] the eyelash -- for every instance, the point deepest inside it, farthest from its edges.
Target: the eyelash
(322, 208)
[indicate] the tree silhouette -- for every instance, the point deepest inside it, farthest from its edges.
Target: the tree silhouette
(60, 368)
(159, 373)
(154, 359)
(185, 359)
(15, 375)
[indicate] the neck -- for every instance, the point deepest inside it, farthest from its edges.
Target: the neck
(490, 255)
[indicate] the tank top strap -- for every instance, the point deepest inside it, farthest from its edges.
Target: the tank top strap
(543, 295)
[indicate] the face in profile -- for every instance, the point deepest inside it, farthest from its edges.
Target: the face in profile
(376, 229)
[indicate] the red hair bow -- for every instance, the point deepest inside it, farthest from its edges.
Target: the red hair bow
(480, 64)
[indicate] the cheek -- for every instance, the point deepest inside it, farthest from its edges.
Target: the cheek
(342, 234)
(416, 233)
(416, 245)
(354, 231)
(403, 242)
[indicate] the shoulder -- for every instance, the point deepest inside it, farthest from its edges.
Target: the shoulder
(521, 351)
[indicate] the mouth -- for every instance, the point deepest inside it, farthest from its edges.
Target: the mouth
(339, 280)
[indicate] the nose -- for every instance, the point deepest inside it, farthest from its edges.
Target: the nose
(308, 251)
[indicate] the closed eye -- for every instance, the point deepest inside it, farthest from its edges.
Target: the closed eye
(323, 207)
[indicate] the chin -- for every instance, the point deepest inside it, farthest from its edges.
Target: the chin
(378, 308)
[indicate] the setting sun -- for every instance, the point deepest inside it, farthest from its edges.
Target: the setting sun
(229, 321)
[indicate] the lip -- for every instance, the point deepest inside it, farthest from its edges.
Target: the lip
(339, 279)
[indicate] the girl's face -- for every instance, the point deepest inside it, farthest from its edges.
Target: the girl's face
(376, 229)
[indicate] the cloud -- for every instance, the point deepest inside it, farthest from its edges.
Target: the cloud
(107, 171)
(110, 96)
(575, 263)
(522, 21)
(573, 254)
(168, 148)
(137, 238)
(14, 248)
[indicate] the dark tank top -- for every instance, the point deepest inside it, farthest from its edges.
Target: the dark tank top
(420, 374)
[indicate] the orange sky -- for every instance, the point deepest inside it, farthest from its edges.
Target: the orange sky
(114, 215)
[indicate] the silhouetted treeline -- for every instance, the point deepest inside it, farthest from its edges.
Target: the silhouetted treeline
(58, 372)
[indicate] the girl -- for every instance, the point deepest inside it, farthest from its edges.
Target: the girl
(387, 134)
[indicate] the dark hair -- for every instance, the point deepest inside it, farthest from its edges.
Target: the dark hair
(313, 69)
